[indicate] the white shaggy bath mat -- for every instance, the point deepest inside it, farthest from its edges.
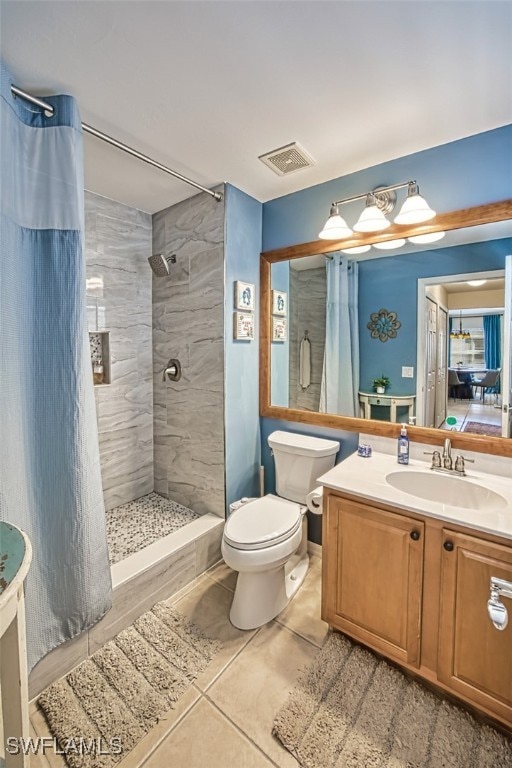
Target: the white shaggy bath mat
(351, 709)
(126, 687)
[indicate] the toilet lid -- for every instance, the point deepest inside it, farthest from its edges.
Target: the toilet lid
(262, 523)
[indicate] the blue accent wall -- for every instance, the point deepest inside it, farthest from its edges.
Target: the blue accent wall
(472, 171)
(242, 247)
(348, 442)
(463, 173)
(391, 282)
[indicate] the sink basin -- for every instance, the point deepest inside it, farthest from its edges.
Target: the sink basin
(445, 489)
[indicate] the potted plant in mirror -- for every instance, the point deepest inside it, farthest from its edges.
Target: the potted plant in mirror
(380, 384)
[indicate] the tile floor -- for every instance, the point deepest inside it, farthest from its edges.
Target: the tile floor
(225, 718)
(467, 410)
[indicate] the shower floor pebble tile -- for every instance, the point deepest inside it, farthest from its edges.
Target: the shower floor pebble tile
(136, 525)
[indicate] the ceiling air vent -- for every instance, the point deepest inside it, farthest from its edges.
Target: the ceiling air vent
(287, 159)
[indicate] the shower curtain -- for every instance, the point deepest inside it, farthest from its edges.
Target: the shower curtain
(339, 391)
(50, 483)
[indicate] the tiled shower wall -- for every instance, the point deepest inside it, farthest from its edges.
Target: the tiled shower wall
(117, 245)
(188, 324)
(308, 295)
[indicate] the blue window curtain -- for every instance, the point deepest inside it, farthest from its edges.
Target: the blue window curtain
(340, 377)
(492, 345)
(50, 482)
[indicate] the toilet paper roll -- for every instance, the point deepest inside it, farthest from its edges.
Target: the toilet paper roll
(315, 500)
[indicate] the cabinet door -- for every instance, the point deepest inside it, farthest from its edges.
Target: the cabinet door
(475, 658)
(374, 577)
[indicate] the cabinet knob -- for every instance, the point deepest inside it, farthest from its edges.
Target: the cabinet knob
(415, 535)
(448, 545)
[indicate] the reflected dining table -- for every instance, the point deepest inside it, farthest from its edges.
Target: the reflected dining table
(465, 375)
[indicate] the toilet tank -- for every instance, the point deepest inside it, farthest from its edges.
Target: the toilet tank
(299, 460)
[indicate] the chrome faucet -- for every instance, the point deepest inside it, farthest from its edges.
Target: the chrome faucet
(445, 464)
(447, 454)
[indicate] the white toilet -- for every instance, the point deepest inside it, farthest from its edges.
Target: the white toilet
(265, 540)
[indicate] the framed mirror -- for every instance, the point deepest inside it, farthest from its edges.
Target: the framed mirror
(407, 316)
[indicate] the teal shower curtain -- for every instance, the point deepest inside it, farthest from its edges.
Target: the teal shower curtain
(50, 483)
(340, 377)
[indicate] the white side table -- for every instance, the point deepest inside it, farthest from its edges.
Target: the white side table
(15, 559)
(367, 399)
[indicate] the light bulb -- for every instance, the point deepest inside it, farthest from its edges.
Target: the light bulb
(335, 228)
(387, 245)
(371, 219)
(431, 237)
(415, 208)
(357, 249)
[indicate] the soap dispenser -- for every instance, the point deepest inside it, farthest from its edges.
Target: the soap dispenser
(403, 446)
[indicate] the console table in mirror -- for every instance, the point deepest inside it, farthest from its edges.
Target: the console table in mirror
(407, 315)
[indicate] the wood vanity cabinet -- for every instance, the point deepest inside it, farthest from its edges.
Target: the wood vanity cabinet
(475, 658)
(376, 576)
(415, 590)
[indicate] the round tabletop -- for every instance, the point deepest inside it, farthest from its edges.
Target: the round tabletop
(15, 558)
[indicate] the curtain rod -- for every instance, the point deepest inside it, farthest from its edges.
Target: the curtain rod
(17, 92)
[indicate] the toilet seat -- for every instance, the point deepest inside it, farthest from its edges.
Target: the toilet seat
(262, 523)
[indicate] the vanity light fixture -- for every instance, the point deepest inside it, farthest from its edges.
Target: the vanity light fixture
(476, 283)
(378, 203)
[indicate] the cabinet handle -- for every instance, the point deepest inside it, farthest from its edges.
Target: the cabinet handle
(497, 611)
(448, 545)
(415, 535)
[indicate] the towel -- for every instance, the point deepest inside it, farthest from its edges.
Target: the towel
(305, 363)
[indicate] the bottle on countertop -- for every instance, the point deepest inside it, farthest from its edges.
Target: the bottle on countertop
(403, 446)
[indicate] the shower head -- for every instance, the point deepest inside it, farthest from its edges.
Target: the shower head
(160, 264)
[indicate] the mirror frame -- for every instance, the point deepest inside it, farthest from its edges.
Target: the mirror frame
(467, 217)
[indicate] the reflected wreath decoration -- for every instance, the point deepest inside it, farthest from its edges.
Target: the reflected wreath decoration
(383, 325)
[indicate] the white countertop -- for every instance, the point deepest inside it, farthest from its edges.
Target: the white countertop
(366, 477)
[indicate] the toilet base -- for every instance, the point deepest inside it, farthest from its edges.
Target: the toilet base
(260, 597)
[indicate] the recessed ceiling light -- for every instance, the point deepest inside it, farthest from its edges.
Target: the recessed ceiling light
(476, 283)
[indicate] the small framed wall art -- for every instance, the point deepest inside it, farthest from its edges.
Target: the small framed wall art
(279, 303)
(279, 329)
(243, 326)
(244, 296)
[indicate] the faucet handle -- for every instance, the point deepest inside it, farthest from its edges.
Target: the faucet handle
(460, 463)
(436, 458)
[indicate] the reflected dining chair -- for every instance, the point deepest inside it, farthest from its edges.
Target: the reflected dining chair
(490, 379)
(454, 384)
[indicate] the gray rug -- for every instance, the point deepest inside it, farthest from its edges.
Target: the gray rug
(126, 687)
(351, 709)
(136, 525)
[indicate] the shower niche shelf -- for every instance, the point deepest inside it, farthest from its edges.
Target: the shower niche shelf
(99, 344)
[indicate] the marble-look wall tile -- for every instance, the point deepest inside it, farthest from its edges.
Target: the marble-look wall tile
(188, 323)
(118, 242)
(308, 294)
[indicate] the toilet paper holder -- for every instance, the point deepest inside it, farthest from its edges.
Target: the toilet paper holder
(314, 500)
